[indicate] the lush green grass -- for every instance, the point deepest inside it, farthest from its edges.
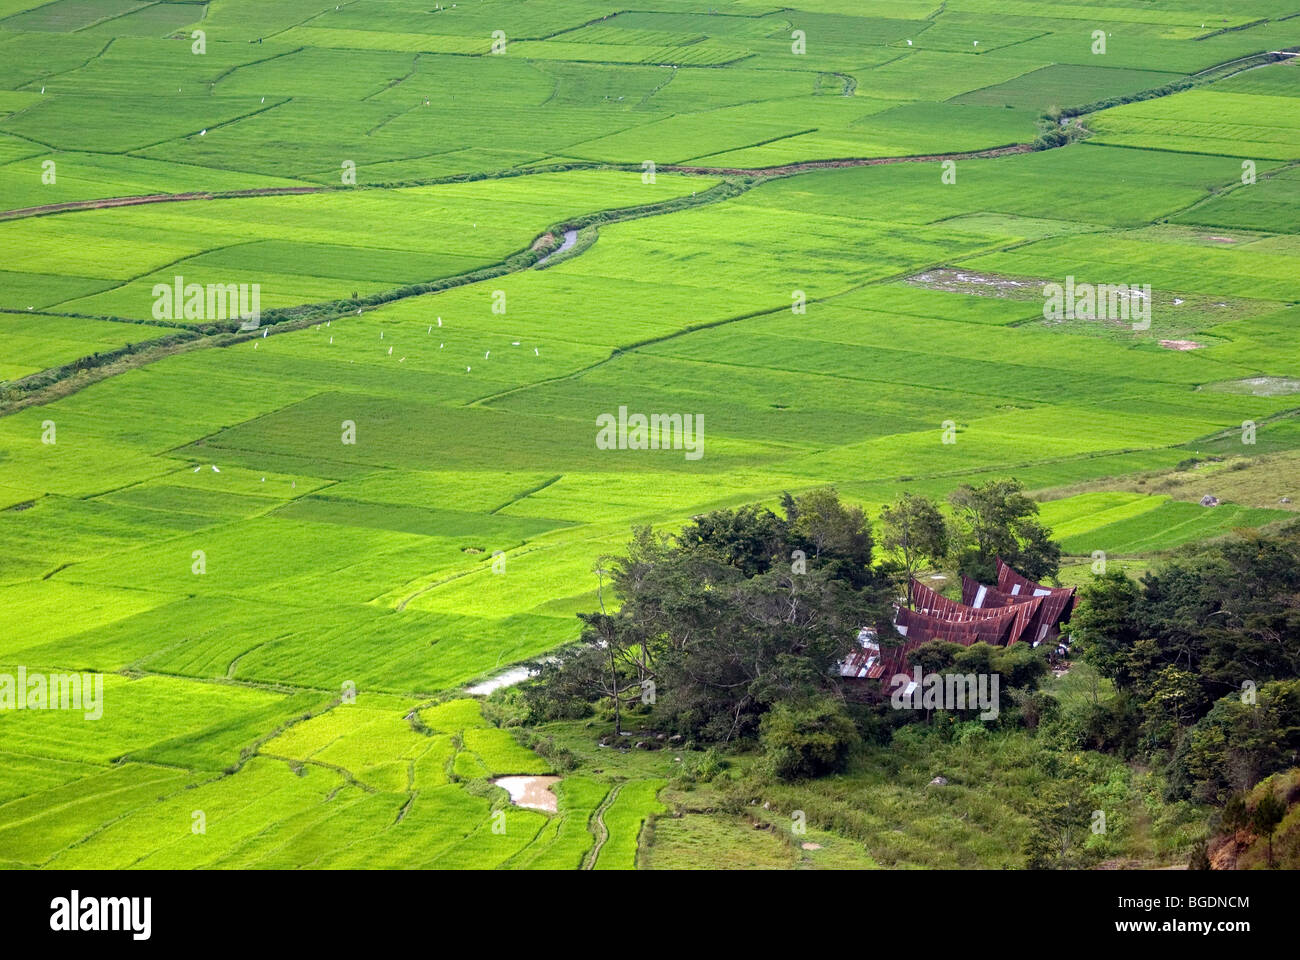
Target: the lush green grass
(702, 841)
(624, 819)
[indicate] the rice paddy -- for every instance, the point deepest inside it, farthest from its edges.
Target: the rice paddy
(289, 549)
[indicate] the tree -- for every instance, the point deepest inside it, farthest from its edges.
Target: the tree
(916, 531)
(772, 638)
(610, 663)
(1237, 744)
(838, 536)
(994, 519)
(1060, 819)
(748, 539)
(1174, 700)
(1205, 648)
(1269, 811)
(1106, 624)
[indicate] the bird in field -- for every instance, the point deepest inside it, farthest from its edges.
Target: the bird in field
(486, 354)
(214, 469)
(535, 353)
(203, 133)
(197, 469)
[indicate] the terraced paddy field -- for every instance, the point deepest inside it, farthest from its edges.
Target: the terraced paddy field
(289, 549)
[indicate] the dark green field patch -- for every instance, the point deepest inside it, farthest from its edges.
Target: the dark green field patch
(408, 518)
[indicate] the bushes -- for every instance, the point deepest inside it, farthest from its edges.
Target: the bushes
(562, 759)
(807, 740)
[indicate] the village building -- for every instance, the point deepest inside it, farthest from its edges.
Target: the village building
(1017, 610)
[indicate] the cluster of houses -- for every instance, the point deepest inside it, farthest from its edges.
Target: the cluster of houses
(1017, 610)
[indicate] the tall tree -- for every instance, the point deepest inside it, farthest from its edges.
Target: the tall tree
(837, 535)
(915, 530)
(994, 519)
(1269, 811)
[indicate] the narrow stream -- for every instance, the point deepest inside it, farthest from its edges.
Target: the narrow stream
(570, 238)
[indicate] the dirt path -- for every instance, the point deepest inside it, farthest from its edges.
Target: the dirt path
(105, 202)
(598, 828)
(789, 169)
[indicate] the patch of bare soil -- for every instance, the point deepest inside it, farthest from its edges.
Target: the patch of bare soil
(531, 792)
(952, 280)
(1270, 386)
(1181, 344)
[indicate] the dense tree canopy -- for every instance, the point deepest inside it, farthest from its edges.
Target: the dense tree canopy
(1204, 653)
(741, 610)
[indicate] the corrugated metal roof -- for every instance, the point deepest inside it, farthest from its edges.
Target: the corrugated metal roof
(928, 601)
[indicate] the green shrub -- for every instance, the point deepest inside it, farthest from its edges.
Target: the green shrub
(806, 740)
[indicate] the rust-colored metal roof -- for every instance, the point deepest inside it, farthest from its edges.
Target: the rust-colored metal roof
(1016, 610)
(1057, 603)
(929, 602)
(995, 628)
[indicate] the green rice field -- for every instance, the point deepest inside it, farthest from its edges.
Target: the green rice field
(290, 548)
